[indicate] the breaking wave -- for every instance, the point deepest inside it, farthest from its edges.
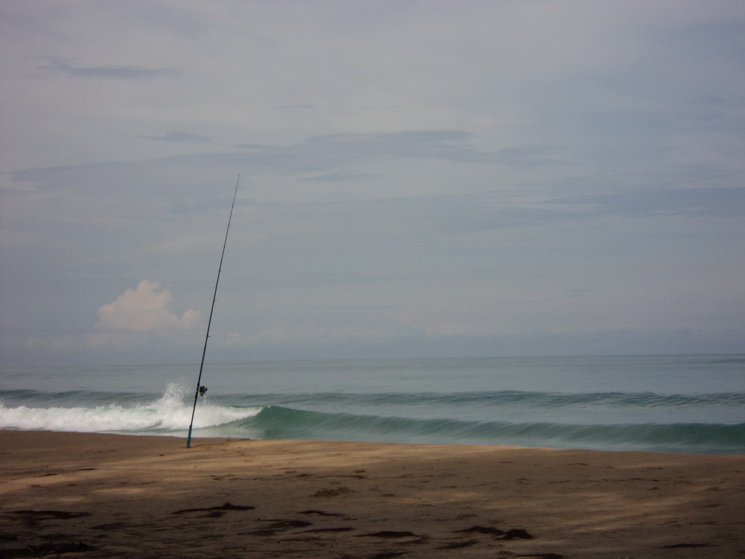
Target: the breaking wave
(690, 423)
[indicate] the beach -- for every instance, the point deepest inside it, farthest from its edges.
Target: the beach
(99, 495)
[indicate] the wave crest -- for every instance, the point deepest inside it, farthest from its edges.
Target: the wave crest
(168, 413)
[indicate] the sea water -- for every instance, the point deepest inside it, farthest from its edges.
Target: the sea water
(688, 404)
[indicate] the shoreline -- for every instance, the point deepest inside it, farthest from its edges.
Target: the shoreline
(227, 438)
(93, 495)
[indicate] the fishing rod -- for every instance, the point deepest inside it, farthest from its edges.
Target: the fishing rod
(200, 391)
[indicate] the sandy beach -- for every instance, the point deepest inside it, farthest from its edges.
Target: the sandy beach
(89, 495)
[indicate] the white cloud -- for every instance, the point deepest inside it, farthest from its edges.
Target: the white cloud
(145, 309)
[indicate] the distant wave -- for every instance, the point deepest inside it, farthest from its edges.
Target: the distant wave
(541, 399)
(277, 422)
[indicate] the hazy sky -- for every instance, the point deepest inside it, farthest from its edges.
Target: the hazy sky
(418, 178)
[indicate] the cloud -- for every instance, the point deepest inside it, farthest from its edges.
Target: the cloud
(650, 202)
(454, 146)
(179, 137)
(325, 158)
(60, 66)
(145, 309)
(339, 177)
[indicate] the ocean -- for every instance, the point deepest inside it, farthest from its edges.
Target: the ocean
(683, 403)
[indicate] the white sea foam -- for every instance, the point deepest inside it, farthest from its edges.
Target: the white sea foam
(170, 412)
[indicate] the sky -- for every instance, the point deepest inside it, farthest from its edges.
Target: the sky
(431, 178)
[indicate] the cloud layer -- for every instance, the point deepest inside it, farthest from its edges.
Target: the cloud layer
(447, 178)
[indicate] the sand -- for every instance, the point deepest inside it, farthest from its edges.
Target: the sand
(88, 495)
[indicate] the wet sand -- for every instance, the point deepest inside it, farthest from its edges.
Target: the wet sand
(86, 495)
